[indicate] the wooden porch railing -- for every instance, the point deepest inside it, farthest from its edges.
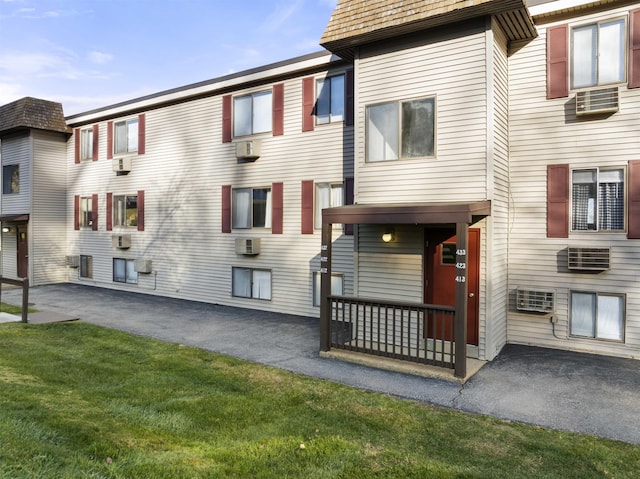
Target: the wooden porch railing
(25, 293)
(420, 333)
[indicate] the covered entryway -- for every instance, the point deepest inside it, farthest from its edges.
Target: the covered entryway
(15, 246)
(425, 333)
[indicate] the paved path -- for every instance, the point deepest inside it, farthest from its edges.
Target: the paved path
(558, 389)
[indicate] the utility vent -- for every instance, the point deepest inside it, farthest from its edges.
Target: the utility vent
(121, 241)
(248, 150)
(589, 259)
(73, 261)
(589, 102)
(535, 300)
(121, 165)
(142, 266)
(248, 246)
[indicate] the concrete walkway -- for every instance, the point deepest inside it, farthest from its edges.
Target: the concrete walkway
(557, 389)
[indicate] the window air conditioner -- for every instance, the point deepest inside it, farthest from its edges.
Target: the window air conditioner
(589, 102)
(588, 259)
(248, 246)
(142, 266)
(73, 261)
(248, 150)
(535, 300)
(121, 165)
(121, 241)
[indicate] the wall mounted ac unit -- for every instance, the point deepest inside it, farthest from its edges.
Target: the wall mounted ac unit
(73, 261)
(248, 150)
(588, 259)
(142, 266)
(248, 246)
(121, 165)
(535, 300)
(589, 102)
(121, 241)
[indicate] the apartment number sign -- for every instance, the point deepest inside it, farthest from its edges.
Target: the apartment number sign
(461, 265)
(323, 260)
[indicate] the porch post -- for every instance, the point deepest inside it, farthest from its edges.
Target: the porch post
(325, 287)
(462, 245)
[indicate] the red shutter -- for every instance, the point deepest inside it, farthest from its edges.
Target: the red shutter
(76, 132)
(557, 62)
(276, 208)
(96, 133)
(76, 212)
(308, 102)
(109, 211)
(348, 98)
(94, 212)
(348, 200)
(226, 119)
(634, 48)
(307, 207)
(109, 140)
(226, 208)
(557, 201)
(140, 210)
(141, 134)
(278, 109)
(634, 200)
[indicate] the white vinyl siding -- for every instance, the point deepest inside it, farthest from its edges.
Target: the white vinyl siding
(17, 150)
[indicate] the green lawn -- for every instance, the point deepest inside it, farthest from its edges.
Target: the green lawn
(81, 401)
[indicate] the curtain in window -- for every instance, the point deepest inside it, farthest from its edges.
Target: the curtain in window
(132, 135)
(132, 274)
(241, 208)
(610, 313)
(262, 284)
(583, 201)
(262, 112)
(241, 282)
(86, 150)
(382, 132)
(118, 211)
(121, 137)
(242, 115)
(583, 312)
(323, 200)
(611, 50)
(268, 210)
(417, 128)
(119, 270)
(611, 206)
(583, 56)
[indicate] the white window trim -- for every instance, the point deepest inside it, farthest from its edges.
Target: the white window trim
(329, 78)
(316, 213)
(595, 336)
(252, 283)
(316, 292)
(114, 211)
(88, 200)
(268, 211)
(127, 262)
(626, 192)
(86, 153)
(128, 151)
(252, 95)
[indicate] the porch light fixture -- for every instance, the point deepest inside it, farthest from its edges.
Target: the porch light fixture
(388, 235)
(6, 229)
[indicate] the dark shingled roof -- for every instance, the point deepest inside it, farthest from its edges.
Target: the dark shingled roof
(29, 113)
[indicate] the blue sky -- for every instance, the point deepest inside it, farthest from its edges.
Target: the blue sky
(87, 54)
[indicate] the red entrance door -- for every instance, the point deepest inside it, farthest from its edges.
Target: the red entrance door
(440, 274)
(23, 252)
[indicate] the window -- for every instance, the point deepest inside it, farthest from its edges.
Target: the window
(124, 271)
(598, 54)
(251, 283)
(597, 315)
(251, 208)
(86, 144)
(126, 136)
(10, 179)
(400, 130)
(125, 211)
(328, 195)
(86, 213)
(252, 114)
(337, 286)
(597, 200)
(330, 101)
(86, 266)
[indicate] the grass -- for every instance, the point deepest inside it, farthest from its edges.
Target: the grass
(11, 309)
(81, 401)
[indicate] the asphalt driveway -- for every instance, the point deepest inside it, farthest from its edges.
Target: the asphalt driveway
(557, 389)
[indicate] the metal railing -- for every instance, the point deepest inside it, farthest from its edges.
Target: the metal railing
(420, 333)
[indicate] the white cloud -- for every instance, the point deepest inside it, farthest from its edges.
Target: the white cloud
(99, 58)
(280, 15)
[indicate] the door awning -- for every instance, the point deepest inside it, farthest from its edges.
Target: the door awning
(14, 218)
(411, 213)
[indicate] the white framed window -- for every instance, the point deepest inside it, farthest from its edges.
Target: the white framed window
(86, 266)
(86, 144)
(251, 208)
(404, 129)
(330, 99)
(597, 199)
(337, 286)
(597, 315)
(10, 179)
(86, 211)
(251, 283)
(328, 195)
(124, 271)
(125, 136)
(125, 211)
(598, 53)
(252, 113)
